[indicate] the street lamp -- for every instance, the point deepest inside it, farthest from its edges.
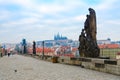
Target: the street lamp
(43, 50)
(34, 47)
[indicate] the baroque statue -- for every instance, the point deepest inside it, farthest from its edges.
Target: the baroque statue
(34, 47)
(88, 43)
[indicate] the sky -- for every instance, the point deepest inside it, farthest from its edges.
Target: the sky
(38, 20)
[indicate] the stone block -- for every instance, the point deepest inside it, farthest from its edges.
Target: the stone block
(73, 58)
(113, 69)
(54, 59)
(88, 65)
(85, 59)
(65, 58)
(65, 61)
(112, 62)
(99, 65)
(117, 56)
(77, 62)
(72, 62)
(49, 59)
(60, 60)
(104, 57)
(100, 61)
(118, 62)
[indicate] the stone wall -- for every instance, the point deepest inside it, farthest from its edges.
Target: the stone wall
(104, 65)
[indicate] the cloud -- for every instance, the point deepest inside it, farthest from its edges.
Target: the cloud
(4, 15)
(25, 21)
(24, 3)
(114, 22)
(41, 20)
(106, 4)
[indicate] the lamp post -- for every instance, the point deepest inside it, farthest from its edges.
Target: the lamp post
(34, 47)
(24, 46)
(1, 51)
(43, 49)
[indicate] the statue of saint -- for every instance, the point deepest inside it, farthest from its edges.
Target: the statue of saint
(88, 45)
(92, 25)
(87, 27)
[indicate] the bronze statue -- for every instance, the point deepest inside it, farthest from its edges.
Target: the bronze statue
(88, 44)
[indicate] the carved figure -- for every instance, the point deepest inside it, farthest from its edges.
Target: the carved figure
(88, 45)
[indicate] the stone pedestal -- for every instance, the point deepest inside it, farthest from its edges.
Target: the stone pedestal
(118, 62)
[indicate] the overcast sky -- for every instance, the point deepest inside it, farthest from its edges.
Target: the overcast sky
(42, 19)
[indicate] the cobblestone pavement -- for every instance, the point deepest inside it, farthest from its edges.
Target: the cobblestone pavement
(19, 67)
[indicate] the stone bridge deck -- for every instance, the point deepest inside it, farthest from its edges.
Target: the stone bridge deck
(19, 67)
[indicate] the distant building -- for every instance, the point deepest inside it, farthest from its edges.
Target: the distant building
(47, 43)
(107, 41)
(115, 42)
(112, 46)
(60, 37)
(58, 41)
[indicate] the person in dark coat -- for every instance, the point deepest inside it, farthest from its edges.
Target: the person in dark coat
(8, 54)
